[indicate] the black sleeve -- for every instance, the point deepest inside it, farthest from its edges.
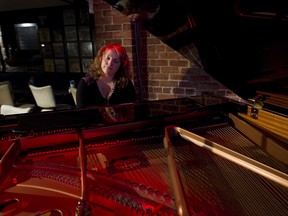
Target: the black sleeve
(129, 93)
(81, 95)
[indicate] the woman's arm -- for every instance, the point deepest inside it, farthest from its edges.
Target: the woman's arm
(129, 93)
(81, 95)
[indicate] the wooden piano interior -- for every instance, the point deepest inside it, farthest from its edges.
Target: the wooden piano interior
(146, 167)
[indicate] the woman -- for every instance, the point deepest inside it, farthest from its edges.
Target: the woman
(109, 79)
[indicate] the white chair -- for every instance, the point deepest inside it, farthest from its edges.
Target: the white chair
(12, 110)
(45, 99)
(73, 91)
(6, 96)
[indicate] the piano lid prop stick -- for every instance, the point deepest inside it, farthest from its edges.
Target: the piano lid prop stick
(82, 205)
(8, 159)
(177, 185)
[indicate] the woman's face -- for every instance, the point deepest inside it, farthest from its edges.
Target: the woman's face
(110, 63)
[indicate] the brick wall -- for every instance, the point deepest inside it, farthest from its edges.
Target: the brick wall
(159, 71)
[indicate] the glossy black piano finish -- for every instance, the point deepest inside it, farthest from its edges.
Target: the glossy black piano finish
(241, 43)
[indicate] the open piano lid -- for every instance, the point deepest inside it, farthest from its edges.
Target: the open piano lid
(241, 43)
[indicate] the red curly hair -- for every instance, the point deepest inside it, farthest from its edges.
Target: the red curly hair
(123, 74)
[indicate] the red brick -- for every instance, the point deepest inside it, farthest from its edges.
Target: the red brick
(102, 21)
(122, 34)
(153, 41)
(120, 20)
(158, 76)
(153, 69)
(105, 35)
(98, 15)
(178, 90)
(127, 42)
(179, 77)
(153, 82)
(113, 27)
(168, 83)
(160, 48)
(180, 63)
(126, 27)
(169, 69)
(153, 96)
(153, 55)
(169, 55)
(158, 62)
(108, 13)
(112, 40)
(157, 89)
(166, 96)
(166, 90)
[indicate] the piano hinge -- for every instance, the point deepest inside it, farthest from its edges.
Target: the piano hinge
(256, 105)
(254, 113)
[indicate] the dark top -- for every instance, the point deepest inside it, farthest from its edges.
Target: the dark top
(88, 94)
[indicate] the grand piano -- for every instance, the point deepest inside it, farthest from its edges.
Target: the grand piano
(186, 156)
